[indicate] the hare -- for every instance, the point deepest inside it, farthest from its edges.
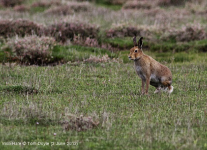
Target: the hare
(149, 70)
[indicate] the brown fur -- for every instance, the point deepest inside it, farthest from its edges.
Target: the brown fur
(150, 71)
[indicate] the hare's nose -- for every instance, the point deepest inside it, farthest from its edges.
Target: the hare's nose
(129, 56)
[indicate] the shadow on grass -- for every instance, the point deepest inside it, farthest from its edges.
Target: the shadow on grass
(18, 89)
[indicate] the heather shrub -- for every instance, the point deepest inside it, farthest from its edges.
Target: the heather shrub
(198, 7)
(90, 42)
(170, 2)
(65, 31)
(187, 33)
(21, 8)
(11, 3)
(109, 2)
(19, 27)
(139, 4)
(59, 10)
(154, 12)
(46, 4)
(31, 49)
(69, 8)
(122, 32)
(148, 4)
(128, 31)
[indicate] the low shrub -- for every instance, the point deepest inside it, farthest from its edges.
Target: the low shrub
(19, 27)
(69, 8)
(11, 3)
(59, 10)
(91, 42)
(65, 31)
(108, 2)
(139, 4)
(46, 4)
(197, 7)
(148, 4)
(128, 31)
(21, 8)
(122, 32)
(187, 33)
(170, 2)
(31, 50)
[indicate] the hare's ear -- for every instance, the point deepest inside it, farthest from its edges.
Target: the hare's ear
(135, 40)
(140, 43)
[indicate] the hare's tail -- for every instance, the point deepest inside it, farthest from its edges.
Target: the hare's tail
(170, 89)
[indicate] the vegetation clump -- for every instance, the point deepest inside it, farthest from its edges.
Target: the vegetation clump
(21, 8)
(66, 31)
(31, 50)
(69, 8)
(138, 4)
(46, 4)
(78, 123)
(11, 3)
(186, 34)
(147, 4)
(128, 31)
(20, 27)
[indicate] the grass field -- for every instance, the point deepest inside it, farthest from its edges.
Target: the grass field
(109, 93)
(67, 83)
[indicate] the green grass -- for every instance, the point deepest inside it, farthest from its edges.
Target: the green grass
(78, 53)
(120, 43)
(104, 90)
(37, 9)
(107, 4)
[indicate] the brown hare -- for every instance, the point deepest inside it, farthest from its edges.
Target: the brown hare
(149, 70)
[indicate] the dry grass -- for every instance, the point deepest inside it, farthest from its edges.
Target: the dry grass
(98, 59)
(78, 123)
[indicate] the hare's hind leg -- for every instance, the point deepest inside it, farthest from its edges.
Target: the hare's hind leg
(143, 83)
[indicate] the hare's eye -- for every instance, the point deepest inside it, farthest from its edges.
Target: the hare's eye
(135, 51)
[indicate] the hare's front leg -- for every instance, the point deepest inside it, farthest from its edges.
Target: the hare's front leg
(143, 83)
